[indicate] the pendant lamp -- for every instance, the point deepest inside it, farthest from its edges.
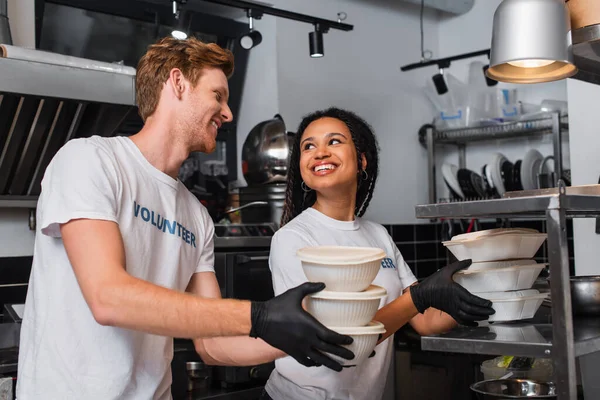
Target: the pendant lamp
(531, 42)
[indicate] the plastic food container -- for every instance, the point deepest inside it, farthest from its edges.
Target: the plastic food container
(497, 247)
(341, 268)
(344, 309)
(517, 277)
(490, 232)
(514, 306)
(365, 339)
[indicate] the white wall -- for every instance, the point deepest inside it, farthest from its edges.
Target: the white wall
(472, 32)
(21, 17)
(584, 121)
(15, 237)
(360, 71)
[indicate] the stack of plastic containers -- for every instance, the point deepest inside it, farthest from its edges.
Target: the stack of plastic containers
(349, 301)
(503, 269)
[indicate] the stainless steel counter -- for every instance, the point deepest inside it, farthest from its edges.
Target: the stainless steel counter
(519, 339)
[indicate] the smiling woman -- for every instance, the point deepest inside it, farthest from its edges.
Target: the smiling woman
(331, 177)
(325, 156)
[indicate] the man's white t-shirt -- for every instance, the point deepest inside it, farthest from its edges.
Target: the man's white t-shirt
(168, 236)
(292, 381)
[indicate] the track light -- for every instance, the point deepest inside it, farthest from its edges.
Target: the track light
(179, 29)
(252, 38)
(440, 83)
(315, 41)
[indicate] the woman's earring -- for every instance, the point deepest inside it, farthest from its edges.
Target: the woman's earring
(304, 187)
(365, 175)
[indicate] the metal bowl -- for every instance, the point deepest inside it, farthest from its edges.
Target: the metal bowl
(514, 389)
(585, 295)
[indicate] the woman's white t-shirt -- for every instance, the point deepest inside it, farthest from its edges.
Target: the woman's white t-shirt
(291, 380)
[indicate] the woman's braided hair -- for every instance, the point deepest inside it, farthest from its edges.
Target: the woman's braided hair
(297, 200)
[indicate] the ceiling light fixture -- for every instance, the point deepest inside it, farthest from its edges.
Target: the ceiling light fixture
(179, 30)
(531, 42)
(252, 38)
(315, 41)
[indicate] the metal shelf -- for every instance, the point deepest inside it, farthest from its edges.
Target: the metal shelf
(566, 337)
(535, 340)
(535, 206)
(543, 125)
(9, 201)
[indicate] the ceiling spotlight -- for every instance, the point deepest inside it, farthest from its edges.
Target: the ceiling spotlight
(315, 41)
(440, 83)
(531, 42)
(252, 38)
(179, 29)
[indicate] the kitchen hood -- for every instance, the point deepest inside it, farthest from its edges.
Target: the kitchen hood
(586, 53)
(47, 99)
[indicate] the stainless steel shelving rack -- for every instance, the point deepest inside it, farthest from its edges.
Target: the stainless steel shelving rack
(551, 123)
(563, 339)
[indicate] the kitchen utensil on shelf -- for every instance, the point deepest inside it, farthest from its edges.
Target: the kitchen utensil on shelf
(506, 172)
(517, 183)
(471, 184)
(450, 175)
(545, 177)
(514, 389)
(265, 152)
(496, 172)
(529, 169)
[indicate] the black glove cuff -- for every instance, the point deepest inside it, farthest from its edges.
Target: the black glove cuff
(415, 294)
(256, 319)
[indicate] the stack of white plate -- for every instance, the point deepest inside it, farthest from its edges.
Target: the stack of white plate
(350, 301)
(503, 269)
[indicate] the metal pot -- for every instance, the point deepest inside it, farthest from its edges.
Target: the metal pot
(265, 152)
(271, 196)
(585, 295)
(496, 389)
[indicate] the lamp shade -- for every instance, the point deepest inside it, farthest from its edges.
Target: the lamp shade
(531, 42)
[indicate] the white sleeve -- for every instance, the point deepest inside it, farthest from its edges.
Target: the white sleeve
(81, 181)
(407, 278)
(286, 268)
(207, 257)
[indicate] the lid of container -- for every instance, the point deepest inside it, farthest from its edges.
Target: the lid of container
(373, 327)
(496, 231)
(340, 255)
(372, 292)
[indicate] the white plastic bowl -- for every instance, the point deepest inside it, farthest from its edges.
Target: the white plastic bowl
(365, 339)
(517, 277)
(497, 247)
(345, 308)
(514, 306)
(341, 268)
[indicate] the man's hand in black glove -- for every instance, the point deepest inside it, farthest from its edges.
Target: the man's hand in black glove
(283, 323)
(441, 292)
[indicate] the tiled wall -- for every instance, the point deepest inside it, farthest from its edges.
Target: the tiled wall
(421, 244)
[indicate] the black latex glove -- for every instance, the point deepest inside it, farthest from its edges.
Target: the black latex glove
(284, 324)
(441, 292)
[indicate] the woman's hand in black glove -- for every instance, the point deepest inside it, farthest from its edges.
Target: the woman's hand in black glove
(284, 324)
(441, 292)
